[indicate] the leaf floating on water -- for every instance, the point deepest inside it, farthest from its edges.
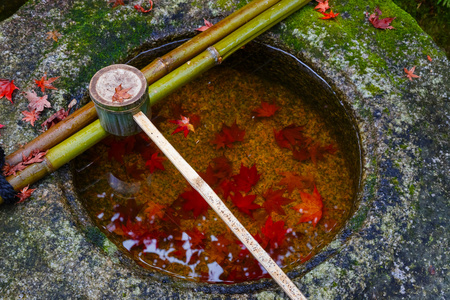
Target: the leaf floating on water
(183, 125)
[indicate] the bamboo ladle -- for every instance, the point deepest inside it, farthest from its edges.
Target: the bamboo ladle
(125, 117)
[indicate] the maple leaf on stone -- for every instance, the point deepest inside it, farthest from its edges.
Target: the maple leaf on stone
(274, 232)
(228, 135)
(330, 15)
(310, 208)
(245, 203)
(410, 73)
(293, 181)
(143, 10)
(381, 24)
(206, 26)
(195, 202)
(274, 201)
(30, 116)
(116, 2)
(322, 6)
(1, 126)
(46, 84)
(7, 89)
(54, 35)
(36, 102)
(429, 58)
(155, 163)
(183, 125)
(55, 118)
(24, 193)
(246, 178)
(121, 94)
(266, 110)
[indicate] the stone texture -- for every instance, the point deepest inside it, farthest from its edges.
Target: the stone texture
(396, 245)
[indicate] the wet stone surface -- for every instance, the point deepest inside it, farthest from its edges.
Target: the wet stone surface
(395, 247)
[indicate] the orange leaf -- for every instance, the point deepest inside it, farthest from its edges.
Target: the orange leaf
(46, 84)
(138, 7)
(330, 15)
(24, 194)
(310, 208)
(183, 125)
(121, 94)
(38, 103)
(206, 26)
(322, 6)
(266, 110)
(30, 116)
(409, 73)
(292, 181)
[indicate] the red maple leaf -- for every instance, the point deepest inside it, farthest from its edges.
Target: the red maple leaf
(121, 94)
(35, 156)
(116, 2)
(38, 103)
(195, 202)
(246, 178)
(330, 15)
(206, 26)
(155, 162)
(409, 73)
(154, 209)
(138, 7)
(293, 181)
(266, 110)
(301, 153)
(245, 203)
(46, 84)
(274, 201)
(196, 238)
(318, 151)
(24, 193)
(55, 118)
(274, 232)
(311, 207)
(381, 24)
(11, 170)
(228, 135)
(183, 125)
(7, 89)
(290, 136)
(30, 116)
(322, 6)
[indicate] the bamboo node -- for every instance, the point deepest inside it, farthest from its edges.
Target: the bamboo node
(217, 58)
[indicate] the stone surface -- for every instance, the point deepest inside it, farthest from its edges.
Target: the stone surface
(396, 246)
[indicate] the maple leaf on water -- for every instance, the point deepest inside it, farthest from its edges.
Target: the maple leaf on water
(7, 89)
(195, 202)
(310, 208)
(274, 232)
(293, 181)
(183, 125)
(228, 135)
(290, 136)
(381, 24)
(121, 94)
(246, 178)
(53, 35)
(274, 201)
(330, 15)
(196, 238)
(38, 103)
(24, 193)
(266, 110)
(245, 203)
(120, 147)
(206, 26)
(410, 73)
(322, 6)
(154, 209)
(30, 116)
(116, 2)
(138, 7)
(155, 162)
(46, 84)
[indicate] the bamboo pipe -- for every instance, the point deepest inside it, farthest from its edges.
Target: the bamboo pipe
(162, 88)
(154, 71)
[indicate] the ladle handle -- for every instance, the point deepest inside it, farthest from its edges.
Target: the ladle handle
(219, 207)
